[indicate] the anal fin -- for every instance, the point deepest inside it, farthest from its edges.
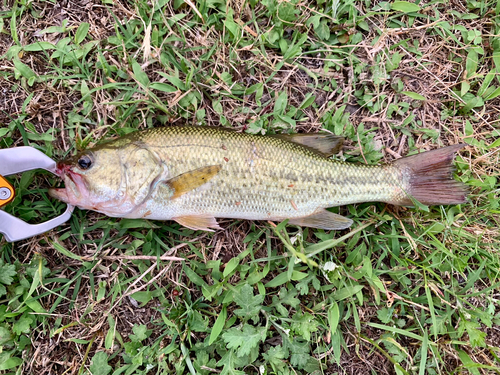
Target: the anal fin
(323, 219)
(198, 222)
(191, 180)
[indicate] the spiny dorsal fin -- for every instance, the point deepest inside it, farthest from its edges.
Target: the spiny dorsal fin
(323, 219)
(198, 222)
(188, 181)
(326, 144)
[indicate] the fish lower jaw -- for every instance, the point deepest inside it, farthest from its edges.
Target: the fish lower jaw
(60, 194)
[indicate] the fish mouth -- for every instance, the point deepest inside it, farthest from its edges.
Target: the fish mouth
(75, 188)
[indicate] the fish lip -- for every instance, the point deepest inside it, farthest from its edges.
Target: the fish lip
(63, 169)
(60, 193)
(60, 168)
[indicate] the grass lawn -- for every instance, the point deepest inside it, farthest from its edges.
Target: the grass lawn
(403, 291)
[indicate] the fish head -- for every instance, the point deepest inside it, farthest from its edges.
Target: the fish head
(94, 180)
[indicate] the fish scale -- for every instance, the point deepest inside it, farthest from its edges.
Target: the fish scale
(254, 181)
(196, 174)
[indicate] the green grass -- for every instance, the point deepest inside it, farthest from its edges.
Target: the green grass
(404, 291)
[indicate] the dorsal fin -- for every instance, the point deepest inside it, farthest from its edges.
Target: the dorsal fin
(326, 144)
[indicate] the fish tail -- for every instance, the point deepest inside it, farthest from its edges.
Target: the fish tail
(429, 178)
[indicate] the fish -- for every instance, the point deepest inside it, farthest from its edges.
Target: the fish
(196, 174)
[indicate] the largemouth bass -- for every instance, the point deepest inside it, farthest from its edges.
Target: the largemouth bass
(194, 175)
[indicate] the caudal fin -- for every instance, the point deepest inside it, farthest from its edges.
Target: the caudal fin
(430, 177)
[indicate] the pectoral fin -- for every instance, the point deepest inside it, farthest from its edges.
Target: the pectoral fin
(326, 144)
(323, 219)
(198, 222)
(188, 181)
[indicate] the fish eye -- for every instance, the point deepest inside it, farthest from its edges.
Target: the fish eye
(85, 162)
